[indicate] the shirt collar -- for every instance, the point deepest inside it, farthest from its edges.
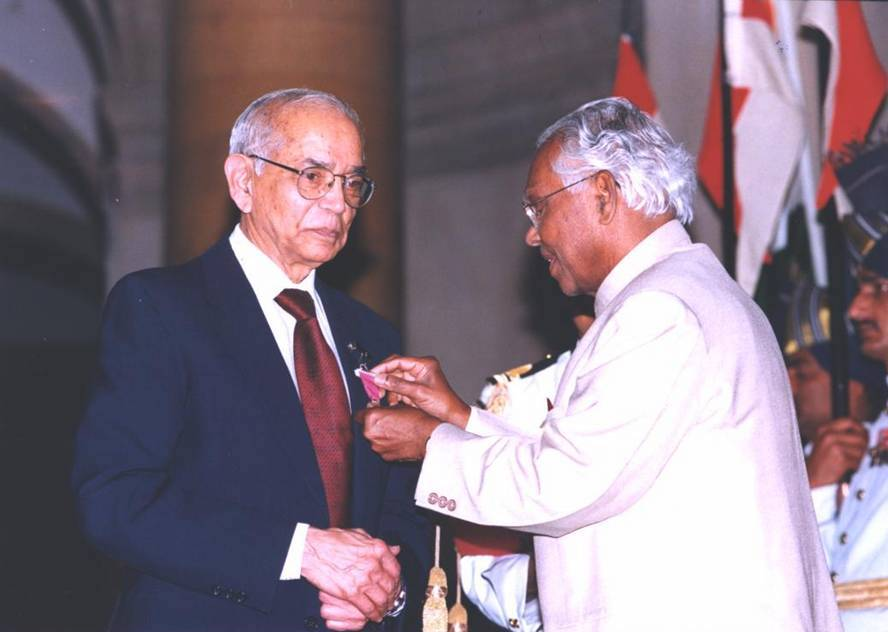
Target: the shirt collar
(264, 275)
(653, 248)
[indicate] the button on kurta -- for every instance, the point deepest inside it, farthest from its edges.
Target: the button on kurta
(860, 494)
(843, 539)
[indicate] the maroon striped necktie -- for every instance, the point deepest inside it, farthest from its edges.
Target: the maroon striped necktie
(324, 401)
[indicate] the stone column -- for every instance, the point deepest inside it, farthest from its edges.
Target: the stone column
(225, 54)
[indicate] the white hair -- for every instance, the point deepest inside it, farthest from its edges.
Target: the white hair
(655, 174)
(254, 131)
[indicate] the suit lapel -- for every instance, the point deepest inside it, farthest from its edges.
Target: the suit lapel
(368, 470)
(248, 339)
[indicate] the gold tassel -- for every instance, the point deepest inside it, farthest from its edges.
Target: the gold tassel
(458, 618)
(434, 610)
(861, 594)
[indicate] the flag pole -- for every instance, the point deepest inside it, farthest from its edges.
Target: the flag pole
(838, 332)
(729, 236)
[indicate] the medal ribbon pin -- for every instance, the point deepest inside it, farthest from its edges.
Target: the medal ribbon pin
(363, 372)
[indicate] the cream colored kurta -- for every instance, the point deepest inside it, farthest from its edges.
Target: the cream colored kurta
(666, 488)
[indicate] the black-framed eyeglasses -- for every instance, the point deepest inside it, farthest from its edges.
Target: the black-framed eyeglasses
(316, 182)
(535, 210)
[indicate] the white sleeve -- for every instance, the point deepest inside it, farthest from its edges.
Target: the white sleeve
(605, 434)
(486, 424)
(498, 586)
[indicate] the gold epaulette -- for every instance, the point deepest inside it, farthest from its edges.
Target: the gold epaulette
(866, 593)
(525, 370)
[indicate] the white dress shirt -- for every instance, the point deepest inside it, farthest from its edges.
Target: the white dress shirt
(268, 280)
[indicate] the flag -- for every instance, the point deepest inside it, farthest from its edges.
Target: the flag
(855, 88)
(767, 127)
(630, 80)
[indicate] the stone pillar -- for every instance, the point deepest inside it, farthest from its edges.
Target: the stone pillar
(225, 54)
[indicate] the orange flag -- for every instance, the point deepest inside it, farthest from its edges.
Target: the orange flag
(630, 80)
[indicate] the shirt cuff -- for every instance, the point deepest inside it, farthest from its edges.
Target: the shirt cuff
(293, 563)
(824, 499)
(498, 586)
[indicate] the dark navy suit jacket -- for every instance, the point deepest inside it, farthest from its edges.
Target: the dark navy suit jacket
(193, 463)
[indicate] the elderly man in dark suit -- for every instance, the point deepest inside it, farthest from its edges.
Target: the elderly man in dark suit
(217, 459)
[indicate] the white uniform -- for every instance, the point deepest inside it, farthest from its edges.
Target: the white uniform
(666, 488)
(856, 538)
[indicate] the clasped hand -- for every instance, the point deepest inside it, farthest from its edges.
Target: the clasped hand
(358, 576)
(838, 448)
(421, 399)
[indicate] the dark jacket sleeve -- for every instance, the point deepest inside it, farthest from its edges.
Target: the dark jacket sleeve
(131, 505)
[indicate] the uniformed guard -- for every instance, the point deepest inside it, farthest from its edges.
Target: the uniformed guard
(855, 532)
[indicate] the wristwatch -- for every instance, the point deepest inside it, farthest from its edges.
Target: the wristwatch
(399, 602)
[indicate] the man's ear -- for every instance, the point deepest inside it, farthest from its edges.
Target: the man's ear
(606, 196)
(239, 174)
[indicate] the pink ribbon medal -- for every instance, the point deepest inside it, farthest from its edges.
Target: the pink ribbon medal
(370, 387)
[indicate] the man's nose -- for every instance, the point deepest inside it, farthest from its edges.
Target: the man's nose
(532, 237)
(857, 308)
(334, 198)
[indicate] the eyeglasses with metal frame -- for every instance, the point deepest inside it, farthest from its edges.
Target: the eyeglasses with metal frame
(535, 210)
(317, 181)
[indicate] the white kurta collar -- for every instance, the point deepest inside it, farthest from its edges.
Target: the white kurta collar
(660, 243)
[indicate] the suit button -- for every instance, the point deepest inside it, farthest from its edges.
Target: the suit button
(217, 590)
(843, 539)
(241, 597)
(311, 623)
(433, 498)
(860, 494)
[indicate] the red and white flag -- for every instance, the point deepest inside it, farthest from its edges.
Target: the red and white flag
(630, 80)
(855, 88)
(767, 125)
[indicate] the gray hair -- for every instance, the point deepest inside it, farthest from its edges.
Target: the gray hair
(254, 132)
(655, 174)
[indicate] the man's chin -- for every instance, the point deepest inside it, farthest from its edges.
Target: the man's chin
(567, 287)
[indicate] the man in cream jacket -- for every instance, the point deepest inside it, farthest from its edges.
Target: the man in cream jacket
(666, 488)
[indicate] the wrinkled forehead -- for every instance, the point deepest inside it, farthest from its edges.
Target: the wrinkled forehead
(316, 125)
